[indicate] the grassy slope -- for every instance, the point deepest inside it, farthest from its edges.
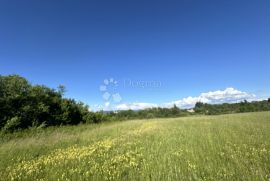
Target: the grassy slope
(226, 147)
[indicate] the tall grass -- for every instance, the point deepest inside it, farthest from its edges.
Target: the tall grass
(227, 147)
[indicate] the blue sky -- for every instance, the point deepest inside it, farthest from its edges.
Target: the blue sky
(187, 46)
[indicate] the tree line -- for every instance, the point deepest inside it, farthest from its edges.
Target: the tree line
(23, 105)
(149, 113)
(226, 108)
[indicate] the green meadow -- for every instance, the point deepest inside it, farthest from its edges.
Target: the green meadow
(223, 147)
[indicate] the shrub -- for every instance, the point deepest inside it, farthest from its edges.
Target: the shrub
(12, 124)
(150, 115)
(97, 117)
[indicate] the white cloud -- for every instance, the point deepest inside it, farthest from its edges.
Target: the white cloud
(135, 106)
(107, 104)
(229, 95)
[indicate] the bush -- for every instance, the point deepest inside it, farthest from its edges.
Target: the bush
(12, 124)
(150, 116)
(99, 117)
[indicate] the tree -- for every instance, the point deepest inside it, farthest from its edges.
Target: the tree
(13, 95)
(71, 112)
(97, 117)
(199, 105)
(175, 110)
(23, 105)
(61, 89)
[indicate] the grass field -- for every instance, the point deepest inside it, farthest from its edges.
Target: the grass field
(226, 147)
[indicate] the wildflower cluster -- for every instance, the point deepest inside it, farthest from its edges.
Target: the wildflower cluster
(101, 160)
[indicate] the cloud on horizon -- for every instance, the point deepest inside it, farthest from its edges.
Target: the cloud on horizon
(229, 95)
(135, 106)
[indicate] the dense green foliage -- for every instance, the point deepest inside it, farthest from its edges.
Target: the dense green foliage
(215, 109)
(200, 108)
(224, 147)
(149, 113)
(23, 105)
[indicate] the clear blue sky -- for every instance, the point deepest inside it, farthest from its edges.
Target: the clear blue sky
(190, 46)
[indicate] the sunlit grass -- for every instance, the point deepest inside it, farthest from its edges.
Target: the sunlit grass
(227, 147)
